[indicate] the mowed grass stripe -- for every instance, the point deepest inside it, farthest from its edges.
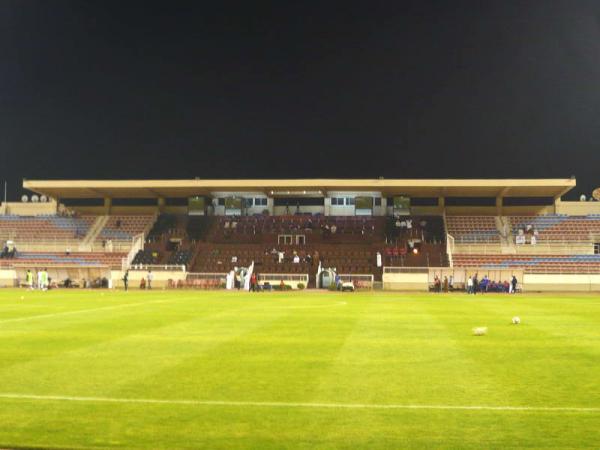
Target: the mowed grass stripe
(144, 344)
(399, 352)
(283, 350)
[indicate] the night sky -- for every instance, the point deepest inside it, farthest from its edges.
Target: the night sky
(223, 89)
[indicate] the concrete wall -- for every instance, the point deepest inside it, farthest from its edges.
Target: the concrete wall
(135, 276)
(578, 208)
(561, 282)
(7, 277)
(406, 281)
(29, 209)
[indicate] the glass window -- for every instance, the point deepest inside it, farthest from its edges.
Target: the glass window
(377, 201)
(221, 202)
(349, 200)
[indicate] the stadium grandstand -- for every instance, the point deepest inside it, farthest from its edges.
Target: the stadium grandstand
(375, 233)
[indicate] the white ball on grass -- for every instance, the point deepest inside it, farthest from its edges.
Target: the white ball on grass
(516, 320)
(480, 331)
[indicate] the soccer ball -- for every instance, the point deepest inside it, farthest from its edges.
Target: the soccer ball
(516, 320)
(480, 331)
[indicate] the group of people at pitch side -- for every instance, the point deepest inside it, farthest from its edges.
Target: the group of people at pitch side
(43, 280)
(145, 282)
(474, 285)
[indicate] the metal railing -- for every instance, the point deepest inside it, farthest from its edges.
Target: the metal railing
(359, 280)
(302, 278)
(159, 267)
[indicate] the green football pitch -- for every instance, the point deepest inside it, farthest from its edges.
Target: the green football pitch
(191, 369)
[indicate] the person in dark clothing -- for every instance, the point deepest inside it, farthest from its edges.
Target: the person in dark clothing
(475, 284)
(514, 284)
(126, 279)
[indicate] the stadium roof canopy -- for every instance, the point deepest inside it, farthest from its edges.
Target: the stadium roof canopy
(311, 187)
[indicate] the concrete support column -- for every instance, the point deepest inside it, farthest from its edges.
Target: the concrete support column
(557, 203)
(107, 205)
(499, 205)
(327, 204)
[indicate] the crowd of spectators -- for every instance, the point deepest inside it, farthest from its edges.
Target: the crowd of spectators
(474, 285)
(527, 234)
(9, 250)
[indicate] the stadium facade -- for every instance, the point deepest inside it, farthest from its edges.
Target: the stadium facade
(389, 233)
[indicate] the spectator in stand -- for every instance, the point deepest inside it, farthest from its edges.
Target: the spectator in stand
(234, 259)
(309, 259)
(280, 256)
(296, 259)
(333, 228)
(533, 240)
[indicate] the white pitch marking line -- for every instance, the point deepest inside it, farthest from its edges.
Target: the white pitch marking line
(79, 311)
(328, 305)
(66, 398)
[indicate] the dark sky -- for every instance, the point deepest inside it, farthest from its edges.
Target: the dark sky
(299, 89)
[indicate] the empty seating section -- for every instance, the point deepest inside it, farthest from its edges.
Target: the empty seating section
(558, 227)
(42, 228)
(181, 257)
(164, 224)
(38, 259)
(198, 227)
(124, 228)
(145, 257)
(542, 264)
(473, 229)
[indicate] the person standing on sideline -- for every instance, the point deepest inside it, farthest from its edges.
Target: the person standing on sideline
(126, 280)
(469, 285)
(43, 280)
(513, 284)
(149, 277)
(475, 284)
(29, 279)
